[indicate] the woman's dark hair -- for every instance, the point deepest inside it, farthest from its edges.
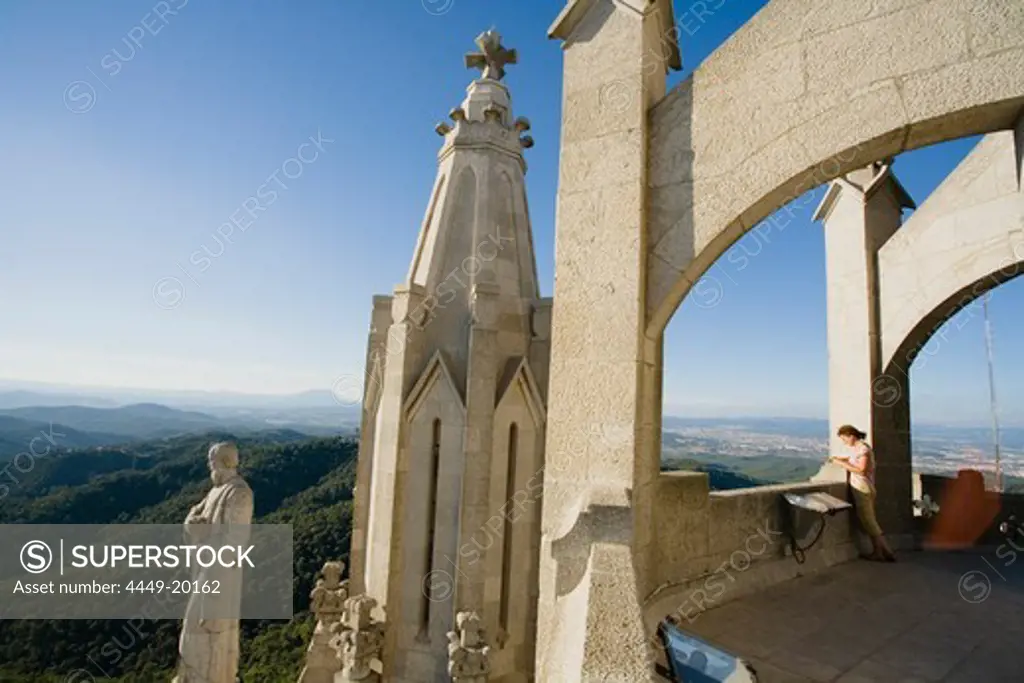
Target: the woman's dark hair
(850, 430)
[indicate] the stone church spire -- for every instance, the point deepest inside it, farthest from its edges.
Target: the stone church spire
(453, 416)
(481, 166)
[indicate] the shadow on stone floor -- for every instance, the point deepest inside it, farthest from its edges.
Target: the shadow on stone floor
(933, 616)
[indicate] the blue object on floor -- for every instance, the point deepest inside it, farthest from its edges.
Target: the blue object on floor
(692, 660)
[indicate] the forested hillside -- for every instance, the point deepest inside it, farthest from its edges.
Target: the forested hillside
(19, 435)
(299, 481)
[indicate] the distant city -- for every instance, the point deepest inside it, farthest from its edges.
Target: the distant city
(936, 449)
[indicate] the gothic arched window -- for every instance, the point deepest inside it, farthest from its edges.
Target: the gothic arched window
(428, 560)
(506, 554)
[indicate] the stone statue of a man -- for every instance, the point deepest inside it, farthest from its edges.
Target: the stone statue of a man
(208, 648)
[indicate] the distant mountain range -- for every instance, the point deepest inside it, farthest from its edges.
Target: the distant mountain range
(25, 435)
(77, 426)
(20, 398)
(143, 420)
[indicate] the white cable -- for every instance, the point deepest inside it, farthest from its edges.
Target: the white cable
(992, 392)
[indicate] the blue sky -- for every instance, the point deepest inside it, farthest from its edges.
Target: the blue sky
(129, 139)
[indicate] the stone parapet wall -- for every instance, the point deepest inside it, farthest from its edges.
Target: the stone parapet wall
(714, 547)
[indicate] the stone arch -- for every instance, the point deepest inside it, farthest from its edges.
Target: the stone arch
(967, 239)
(915, 343)
(803, 93)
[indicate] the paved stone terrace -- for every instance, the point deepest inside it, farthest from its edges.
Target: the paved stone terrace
(887, 623)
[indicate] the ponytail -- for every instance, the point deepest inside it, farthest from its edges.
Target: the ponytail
(850, 430)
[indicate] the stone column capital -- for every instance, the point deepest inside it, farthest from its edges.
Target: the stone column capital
(572, 15)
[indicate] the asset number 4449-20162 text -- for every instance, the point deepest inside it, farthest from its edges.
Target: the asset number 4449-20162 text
(203, 587)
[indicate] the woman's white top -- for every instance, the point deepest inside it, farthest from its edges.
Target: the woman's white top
(863, 456)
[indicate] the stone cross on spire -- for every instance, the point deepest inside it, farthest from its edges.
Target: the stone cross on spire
(492, 57)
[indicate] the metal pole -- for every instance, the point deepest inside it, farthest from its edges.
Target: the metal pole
(992, 392)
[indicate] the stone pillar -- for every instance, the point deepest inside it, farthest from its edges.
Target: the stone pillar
(591, 585)
(402, 357)
(894, 479)
(860, 213)
(376, 352)
(481, 390)
(328, 606)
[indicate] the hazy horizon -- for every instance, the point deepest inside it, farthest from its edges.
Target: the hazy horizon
(324, 398)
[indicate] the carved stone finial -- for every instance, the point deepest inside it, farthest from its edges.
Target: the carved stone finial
(359, 640)
(469, 657)
(493, 113)
(327, 604)
(329, 596)
(492, 58)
